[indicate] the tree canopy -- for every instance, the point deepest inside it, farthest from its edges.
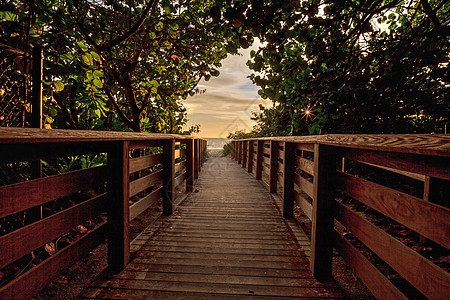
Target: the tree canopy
(121, 64)
(328, 66)
(354, 66)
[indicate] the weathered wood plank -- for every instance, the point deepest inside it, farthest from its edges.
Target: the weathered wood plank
(218, 242)
(322, 213)
(428, 219)
(168, 176)
(434, 166)
(304, 205)
(305, 185)
(180, 166)
(234, 289)
(378, 284)
(139, 207)
(24, 240)
(143, 162)
(35, 279)
(431, 280)
(17, 197)
(179, 179)
(118, 206)
(145, 182)
(305, 165)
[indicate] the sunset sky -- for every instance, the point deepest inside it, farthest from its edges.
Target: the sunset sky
(228, 101)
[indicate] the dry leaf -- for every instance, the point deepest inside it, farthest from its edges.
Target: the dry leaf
(50, 248)
(81, 229)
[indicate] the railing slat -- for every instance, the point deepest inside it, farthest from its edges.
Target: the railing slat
(24, 195)
(145, 182)
(434, 166)
(180, 166)
(378, 284)
(305, 165)
(179, 179)
(32, 281)
(428, 219)
(137, 208)
(431, 280)
(18, 243)
(304, 205)
(143, 162)
(305, 185)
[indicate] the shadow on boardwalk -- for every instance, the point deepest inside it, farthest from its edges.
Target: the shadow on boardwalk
(227, 240)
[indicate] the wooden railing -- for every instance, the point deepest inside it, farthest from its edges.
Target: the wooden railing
(316, 172)
(141, 168)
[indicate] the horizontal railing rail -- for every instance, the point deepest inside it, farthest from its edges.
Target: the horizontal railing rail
(335, 181)
(138, 170)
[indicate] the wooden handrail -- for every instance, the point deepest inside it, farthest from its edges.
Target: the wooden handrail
(156, 173)
(312, 171)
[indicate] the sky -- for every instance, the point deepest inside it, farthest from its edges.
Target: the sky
(229, 99)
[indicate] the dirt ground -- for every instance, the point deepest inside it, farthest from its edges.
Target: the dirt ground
(71, 282)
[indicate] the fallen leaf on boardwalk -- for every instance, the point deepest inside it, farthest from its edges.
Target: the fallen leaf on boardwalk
(196, 191)
(50, 248)
(81, 229)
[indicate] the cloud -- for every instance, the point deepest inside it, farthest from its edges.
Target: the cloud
(229, 99)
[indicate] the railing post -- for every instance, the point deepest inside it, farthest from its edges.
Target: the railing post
(196, 158)
(244, 154)
(189, 165)
(250, 156)
(322, 214)
(168, 175)
(288, 179)
(273, 166)
(118, 206)
(259, 159)
(240, 152)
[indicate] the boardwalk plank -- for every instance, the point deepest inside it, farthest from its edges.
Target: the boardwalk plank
(227, 241)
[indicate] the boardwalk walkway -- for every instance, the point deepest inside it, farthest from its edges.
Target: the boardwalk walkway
(227, 240)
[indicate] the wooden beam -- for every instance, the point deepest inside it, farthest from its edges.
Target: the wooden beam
(322, 215)
(244, 154)
(118, 206)
(189, 165)
(273, 166)
(250, 156)
(168, 176)
(196, 158)
(288, 179)
(259, 160)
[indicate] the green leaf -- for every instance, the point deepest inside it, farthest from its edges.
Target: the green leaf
(59, 86)
(174, 26)
(87, 58)
(95, 56)
(98, 73)
(8, 16)
(98, 83)
(82, 46)
(159, 26)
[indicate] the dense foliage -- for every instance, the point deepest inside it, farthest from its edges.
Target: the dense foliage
(353, 66)
(120, 64)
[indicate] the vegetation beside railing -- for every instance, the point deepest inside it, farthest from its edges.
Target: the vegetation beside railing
(380, 200)
(94, 204)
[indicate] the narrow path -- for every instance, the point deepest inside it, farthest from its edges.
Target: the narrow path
(226, 240)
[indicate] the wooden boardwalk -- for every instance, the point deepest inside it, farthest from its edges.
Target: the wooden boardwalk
(226, 240)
